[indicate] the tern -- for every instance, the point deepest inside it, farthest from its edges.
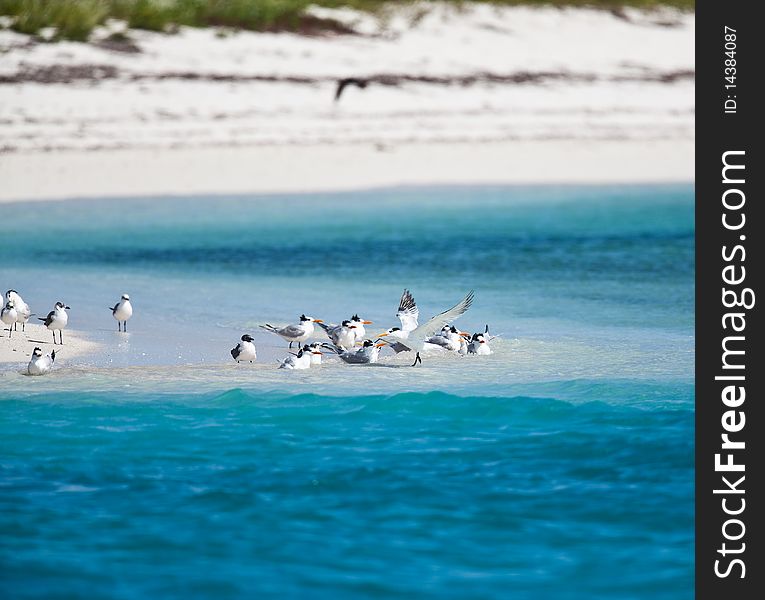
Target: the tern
(358, 328)
(314, 351)
(479, 343)
(299, 332)
(367, 354)
(301, 360)
(40, 364)
(122, 311)
(22, 308)
(9, 315)
(417, 338)
(245, 350)
(57, 320)
(449, 338)
(408, 314)
(343, 335)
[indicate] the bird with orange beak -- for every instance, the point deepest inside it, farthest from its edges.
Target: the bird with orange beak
(358, 327)
(298, 332)
(343, 335)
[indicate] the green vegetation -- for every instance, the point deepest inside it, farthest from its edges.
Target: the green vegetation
(75, 19)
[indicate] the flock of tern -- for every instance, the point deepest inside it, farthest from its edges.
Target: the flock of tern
(16, 311)
(347, 340)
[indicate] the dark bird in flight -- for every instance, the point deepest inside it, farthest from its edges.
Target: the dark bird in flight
(344, 83)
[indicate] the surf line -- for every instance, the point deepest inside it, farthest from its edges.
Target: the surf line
(736, 301)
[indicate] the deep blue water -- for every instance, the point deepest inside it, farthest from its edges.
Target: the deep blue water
(560, 467)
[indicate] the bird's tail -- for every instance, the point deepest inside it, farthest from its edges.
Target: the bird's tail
(268, 327)
(53, 356)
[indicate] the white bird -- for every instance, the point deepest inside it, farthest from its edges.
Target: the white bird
(314, 350)
(245, 351)
(358, 328)
(122, 311)
(57, 320)
(23, 311)
(479, 345)
(368, 353)
(294, 333)
(301, 360)
(417, 338)
(450, 338)
(343, 335)
(9, 316)
(40, 364)
(408, 314)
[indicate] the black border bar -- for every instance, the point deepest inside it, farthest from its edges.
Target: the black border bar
(730, 195)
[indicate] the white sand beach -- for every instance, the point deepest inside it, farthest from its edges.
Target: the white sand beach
(18, 348)
(477, 94)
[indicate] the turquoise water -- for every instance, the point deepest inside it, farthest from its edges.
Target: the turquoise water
(559, 467)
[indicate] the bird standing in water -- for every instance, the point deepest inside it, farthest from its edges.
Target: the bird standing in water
(40, 363)
(122, 311)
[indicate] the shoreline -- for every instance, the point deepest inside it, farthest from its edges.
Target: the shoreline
(336, 168)
(208, 111)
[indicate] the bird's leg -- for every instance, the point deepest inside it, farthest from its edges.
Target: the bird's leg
(61, 336)
(417, 359)
(54, 337)
(124, 326)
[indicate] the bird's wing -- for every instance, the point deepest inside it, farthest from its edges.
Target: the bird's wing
(114, 308)
(340, 87)
(438, 340)
(399, 347)
(355, 358)
(49, 319)
(408, 313)
(236, 351)
(435, 324)
(291, 331)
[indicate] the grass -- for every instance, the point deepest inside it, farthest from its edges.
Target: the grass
(76, 19)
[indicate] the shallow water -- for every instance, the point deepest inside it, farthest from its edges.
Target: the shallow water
(561, 466)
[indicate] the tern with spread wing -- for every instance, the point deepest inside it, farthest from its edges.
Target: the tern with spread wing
(417, 338)
(408, 314)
